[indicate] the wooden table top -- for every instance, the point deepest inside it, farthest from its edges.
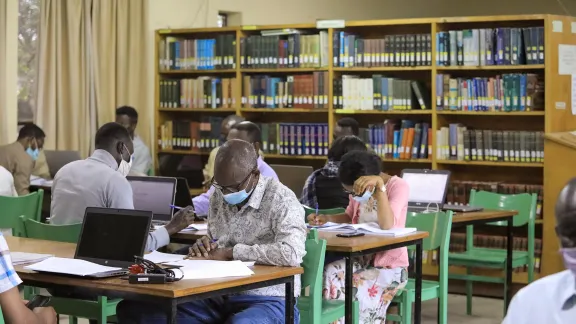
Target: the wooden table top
(172, 290)
(366, 242)
(485, 215)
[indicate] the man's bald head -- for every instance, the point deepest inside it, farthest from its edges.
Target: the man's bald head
(235, 160)
(565, 211)
(227, 123)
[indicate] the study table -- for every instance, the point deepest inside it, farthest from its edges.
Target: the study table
(168, 296)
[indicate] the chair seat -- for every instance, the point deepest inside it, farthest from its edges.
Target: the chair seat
(332, 310)
(430, 290)
(487, 258)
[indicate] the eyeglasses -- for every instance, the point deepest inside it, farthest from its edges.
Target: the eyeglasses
(231, 188)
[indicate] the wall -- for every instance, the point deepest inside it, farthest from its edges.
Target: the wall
(9, 72)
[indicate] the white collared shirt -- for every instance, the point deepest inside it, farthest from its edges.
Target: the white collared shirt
(142, 158)
(550, 300)
(7, 183)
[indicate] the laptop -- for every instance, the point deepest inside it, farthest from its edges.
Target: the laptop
(427, 188)
(112, 237)
(155, 194)
(293, 176)
(57, 159)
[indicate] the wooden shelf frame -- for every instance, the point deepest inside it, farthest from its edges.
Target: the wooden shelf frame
(557, 94)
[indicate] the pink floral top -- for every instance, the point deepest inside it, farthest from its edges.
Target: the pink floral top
(397, 190)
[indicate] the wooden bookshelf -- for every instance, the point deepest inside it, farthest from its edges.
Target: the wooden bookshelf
(556, 116)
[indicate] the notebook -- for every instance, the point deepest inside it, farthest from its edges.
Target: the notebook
(368, 228)
(210, 269)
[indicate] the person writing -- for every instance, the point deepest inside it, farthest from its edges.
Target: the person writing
(374, 197)
(254, 218)
(552, 299)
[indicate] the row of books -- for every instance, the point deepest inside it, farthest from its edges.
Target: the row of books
(456, 142)
(202, 92)
(507, 92)
(294, 91)
(295, 138)
(400, 139)
(197, 54)
(459, 191)
(392, 50)
(194, 136)
(490, 46)
(379, 93)
(458, 244)
(285, 51)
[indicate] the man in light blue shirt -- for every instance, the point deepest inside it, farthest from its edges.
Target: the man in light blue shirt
(552, 299)
(128, 117)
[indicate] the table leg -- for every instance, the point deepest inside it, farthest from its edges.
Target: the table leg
(509, 253)
(349, 295)
(171, 318)
(289, 304)
(418, 288)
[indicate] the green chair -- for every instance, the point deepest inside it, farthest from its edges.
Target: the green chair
(313, 308)
(330, 211)
(478, 257)
(439, 226)
(29, 206)
(99, 309)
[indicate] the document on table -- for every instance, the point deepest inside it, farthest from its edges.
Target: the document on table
(209, 269)
(19, 258)
(190, 228)
(368, 228)
(37, 181)
(327, 224)
(159, 257)
(67, 266)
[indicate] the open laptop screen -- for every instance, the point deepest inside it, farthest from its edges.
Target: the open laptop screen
(113, 237)
(426, 186)
(154, 194)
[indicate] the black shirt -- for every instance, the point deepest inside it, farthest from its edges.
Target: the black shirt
(329, 193)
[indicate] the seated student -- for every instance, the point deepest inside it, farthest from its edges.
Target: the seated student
(552, 299)
(7, 188)
(128, 117)
(18, 158)
(255, 218)
(323, 187)
(374, 197)
(246, 131)
(225, 127)
(100, 181)
(346, 126)
(41, 168)
(13, 307)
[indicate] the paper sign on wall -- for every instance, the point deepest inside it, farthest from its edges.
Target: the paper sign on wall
(573, 101)
(557, 26)
(566, 59)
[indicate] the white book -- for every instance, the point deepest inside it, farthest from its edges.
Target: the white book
(369, 228)
(68, 266)
(19, 258)
(209, 269)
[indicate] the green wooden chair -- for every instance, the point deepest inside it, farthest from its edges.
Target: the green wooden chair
(313, 308)
(1, 317)
(479, 257)
(330, 211)
(439, 226)
(99, 309)
(29, 206)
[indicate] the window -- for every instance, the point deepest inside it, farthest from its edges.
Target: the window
(28, 24)
(222, 19)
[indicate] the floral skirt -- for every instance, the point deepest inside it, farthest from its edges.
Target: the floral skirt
(374, 287)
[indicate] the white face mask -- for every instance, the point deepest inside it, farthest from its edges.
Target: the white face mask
(124, 167)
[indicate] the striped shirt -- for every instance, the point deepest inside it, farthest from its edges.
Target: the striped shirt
(8, 276)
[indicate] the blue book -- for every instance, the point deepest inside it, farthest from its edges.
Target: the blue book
(523, 86)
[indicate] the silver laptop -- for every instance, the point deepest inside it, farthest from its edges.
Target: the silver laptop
(57, 159)
(427, 188)
(155, 194)
(293, 176)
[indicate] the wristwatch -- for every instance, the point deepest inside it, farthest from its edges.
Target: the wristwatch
(383, 188)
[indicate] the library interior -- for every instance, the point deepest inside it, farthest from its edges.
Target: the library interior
(302, 161)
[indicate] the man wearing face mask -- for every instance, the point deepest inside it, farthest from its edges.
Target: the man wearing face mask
(252, 218)
(552, 299)
(18, 158)
(100, 181)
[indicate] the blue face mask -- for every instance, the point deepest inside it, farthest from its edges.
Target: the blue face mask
(33, 153)
(236, 198)
(364, 198)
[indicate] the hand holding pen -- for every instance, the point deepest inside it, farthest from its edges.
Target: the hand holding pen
(202, 247)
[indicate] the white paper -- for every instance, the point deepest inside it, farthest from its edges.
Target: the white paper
(573, 87)
(566, 59)
(573, 27)
(209, 269)
(191, 228)
(560, 105)
(369, 228)
(159, 257)
(327, 224)
(24, 258)
(74, 267)
(557, 26)
(37, 181)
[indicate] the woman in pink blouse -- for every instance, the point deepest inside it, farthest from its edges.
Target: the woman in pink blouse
(374, 197)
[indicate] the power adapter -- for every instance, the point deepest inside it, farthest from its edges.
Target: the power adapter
(147, 278)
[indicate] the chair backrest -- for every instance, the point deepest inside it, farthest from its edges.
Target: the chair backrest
(330, 211)
(59, 233)
(11, 208)
(293, 176)
(313, 264)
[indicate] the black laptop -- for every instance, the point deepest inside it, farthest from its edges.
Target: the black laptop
(112, 237)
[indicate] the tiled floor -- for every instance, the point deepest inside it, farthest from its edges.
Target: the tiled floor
(488, 311)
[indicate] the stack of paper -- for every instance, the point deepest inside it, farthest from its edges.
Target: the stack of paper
(208, 269)
(327, 224)
(19, 258)
(159, 257)
(196, 227)
(67, 266)
(368, 228)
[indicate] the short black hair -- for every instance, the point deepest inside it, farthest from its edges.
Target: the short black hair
(350, 122)
(128, 111)
(253, 131)
(109, 134)
(358, 163)
(31, 130)
(343, 145)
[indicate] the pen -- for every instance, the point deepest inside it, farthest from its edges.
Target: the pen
(176, 207)
(316, 209)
